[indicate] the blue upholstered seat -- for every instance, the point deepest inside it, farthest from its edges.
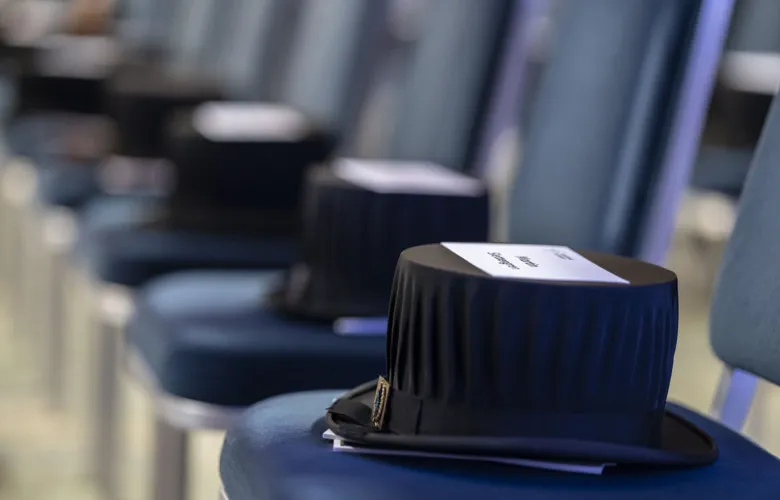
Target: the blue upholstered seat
(275, 452)
(131, 255)
(113, 248)
(207, 336)
(27, 134)
(115, 212)
(67, 184)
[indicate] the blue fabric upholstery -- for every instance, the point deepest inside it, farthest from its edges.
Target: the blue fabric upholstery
(208, 337)
(745, 311)
(106, 212)
(27, 135)
(275, 452)
(754, 28)
(340, 39)
(722, 169)
(67, 184)
(444, 98)
(611, 125)
(130, 255)
(255, 66)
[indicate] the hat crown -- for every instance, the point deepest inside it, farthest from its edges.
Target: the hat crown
(352, 237)
(461, 339)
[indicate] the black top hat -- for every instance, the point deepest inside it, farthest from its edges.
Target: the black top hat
(239, 185)
(568, 371)
(352, 237)
(141, 100)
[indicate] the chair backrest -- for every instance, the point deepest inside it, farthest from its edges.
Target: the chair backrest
(755, 26)
(745, 315)
(605, 146)
(152, 21)
(333, 60)
(191, 22)
(135, 19)
(258, 50)
(449, 80)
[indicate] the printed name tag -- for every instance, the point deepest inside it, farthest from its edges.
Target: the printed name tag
(533, 262)
(76, 56)
(249, 122)
(407, 177)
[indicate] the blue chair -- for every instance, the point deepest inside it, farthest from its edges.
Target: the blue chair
(740, 106)
(291, 462)
(276, 450)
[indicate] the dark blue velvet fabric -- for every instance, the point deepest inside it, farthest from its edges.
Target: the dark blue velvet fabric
(131, 255)
(207, 336)
(275, 452)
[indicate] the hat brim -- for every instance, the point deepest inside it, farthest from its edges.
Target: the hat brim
(683, 444)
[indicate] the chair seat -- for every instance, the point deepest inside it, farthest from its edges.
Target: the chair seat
(275, 452)
(132, 255)
(105, 212)
(207, 336)
(30, 135)
(67, 184)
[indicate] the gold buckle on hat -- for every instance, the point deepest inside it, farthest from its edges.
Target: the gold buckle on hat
(379, 408)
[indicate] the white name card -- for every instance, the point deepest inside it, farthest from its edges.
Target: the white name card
(341, 445)
(532, 262)
(238, 121)
(387, 176)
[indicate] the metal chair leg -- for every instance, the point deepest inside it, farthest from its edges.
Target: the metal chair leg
(55, 334)
(114, 306)
(33, 281)
(170, 461)
(105, 416)
(19, 181)
(734, 397)
(59, 237)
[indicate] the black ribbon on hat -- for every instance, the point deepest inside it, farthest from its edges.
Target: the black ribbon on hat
(398, 412)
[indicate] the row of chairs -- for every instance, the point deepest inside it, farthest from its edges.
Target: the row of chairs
(617, 146)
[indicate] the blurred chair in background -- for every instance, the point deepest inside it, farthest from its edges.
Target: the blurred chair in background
(239, 168)
(42, 228)
(749, 78)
